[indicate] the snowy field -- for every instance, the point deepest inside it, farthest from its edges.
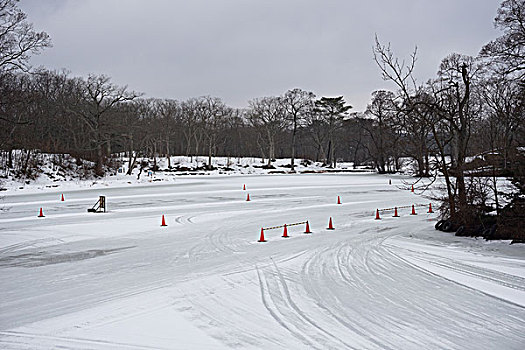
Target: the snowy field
(118, 280)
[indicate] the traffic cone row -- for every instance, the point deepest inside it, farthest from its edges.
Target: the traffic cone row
(430, 211)
(330, 222)
(285, 231)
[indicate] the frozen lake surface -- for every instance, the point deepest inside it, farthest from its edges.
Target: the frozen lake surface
(118, 280)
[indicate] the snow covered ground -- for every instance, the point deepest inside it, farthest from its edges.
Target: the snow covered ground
(118, 280)
(61, 171)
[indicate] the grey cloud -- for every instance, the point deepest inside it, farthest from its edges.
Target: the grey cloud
(242, 49)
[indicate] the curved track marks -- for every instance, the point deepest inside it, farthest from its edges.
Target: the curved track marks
(351, 288)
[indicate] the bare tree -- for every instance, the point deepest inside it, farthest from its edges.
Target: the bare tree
(269, 115)
(453, 107)
(16, 105)
(356, 137)
(416, 121)
(333, 109)
(170, 112)
(457, 111)
(504, 105)
(18, 39)
(508, 51)
(100, 97)
(316, 127)
(298, 104)
(213, 114)
(383, 110)
(190, 122)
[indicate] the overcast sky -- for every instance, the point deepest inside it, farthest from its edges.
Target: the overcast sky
(243, 49)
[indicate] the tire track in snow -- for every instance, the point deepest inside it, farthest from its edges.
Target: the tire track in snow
(182, 219)
(26, 244)
(292, 257)
(486, 275)
(216, 240)
(498, 277)
(405, 265)
(69, 342)
(456, 267)
(393, 315)
(302, 314)
(266, 302)
(441, 299)
(336, 309)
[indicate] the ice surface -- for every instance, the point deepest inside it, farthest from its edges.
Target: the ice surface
(78, 280)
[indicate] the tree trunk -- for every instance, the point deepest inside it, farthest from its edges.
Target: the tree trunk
(271, 152)
(329, 153)
(210, 148)
(261, 148)
(427, 164)
(99, 165)
(26, 162)
(444, 169)
(420, 165)
(10, 158)
(168, 156)
(292, 165)
(132, 162)
(108, 148)
(332, 154)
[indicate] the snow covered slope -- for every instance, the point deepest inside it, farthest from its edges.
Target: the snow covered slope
(118, 280)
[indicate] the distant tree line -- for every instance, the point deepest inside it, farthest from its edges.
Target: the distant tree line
(92, 118)
(466, 124)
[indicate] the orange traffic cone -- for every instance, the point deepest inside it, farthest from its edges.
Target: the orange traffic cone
(412, 189)
(248, 198)
(330, 226)
(285, 232)
(338, 200)
(377, 215)
(307, 228)
(430, 208)
(261, 239)
(163, 221)
(413, 210)
(395, 213)
(41, 215)
(62, 197)
(244, 187)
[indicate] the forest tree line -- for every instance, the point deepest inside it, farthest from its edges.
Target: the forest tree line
(467, 123)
